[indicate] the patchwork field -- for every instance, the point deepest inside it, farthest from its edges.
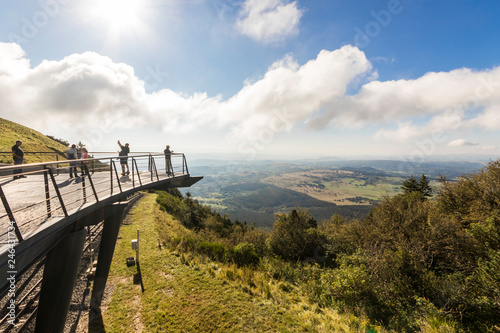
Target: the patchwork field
(338, 186)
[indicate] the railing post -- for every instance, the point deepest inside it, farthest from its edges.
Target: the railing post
(117, 178)
(111, 164)
(61, 202)
(184, 165)
(153, 167)
(84, 192)
(133, 174)
(150, 167)
(47, 192)
(137, 169)
(11, 215)
(91, 182)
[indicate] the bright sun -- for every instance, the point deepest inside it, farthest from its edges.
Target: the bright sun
(117, 13)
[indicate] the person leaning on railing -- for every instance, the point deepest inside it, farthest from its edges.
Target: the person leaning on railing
(18, 156)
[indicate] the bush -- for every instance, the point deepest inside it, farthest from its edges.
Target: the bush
(186, 243)
(291, 238)
(244, 254)
(171, 204)
(214, 251)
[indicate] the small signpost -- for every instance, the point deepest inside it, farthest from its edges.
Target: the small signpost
(135, 246)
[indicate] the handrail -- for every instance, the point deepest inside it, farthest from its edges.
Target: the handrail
(57, 193)
(33, 165)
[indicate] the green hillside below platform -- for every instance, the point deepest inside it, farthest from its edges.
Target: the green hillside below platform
(189, 293)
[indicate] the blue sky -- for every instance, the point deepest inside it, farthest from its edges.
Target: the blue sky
(252, 79)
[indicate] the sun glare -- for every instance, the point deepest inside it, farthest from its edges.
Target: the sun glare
(117, 13)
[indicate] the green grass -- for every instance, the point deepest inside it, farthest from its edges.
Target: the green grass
(33, 141)
(188, 293)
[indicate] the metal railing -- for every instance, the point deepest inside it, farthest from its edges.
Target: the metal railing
(48, 191)
(56, 156)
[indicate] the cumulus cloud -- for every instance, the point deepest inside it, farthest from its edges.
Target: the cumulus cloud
(290, 93)
(269, 20)
(435, 102)
(79, 89)
(90, 90)
(461, 143)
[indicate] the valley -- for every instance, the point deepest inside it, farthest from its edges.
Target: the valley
(255, 192)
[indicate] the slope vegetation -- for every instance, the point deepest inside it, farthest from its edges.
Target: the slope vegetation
(33, 141)
(413, 264)
(186, 292)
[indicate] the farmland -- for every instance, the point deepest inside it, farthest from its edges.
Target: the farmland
(254, 192)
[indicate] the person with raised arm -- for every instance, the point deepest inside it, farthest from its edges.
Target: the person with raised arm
(125, 150)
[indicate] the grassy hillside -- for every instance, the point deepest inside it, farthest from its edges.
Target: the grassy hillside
(189, 293)
(33, 141)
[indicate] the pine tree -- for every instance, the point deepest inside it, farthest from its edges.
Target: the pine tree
(421, 187)
(424, 187)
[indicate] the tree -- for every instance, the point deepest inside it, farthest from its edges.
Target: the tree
(417, 188)
(294, 235)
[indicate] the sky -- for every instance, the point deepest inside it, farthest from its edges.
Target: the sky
(256, 79)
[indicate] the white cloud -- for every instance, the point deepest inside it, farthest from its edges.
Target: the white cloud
(269, 20)
(290, 93)
(79, 89)
(84, 91)
(12, 61)
(436, 102)
(461, 143)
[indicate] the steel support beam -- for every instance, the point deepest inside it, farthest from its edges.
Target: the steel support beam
(59, 276)
(109, 235)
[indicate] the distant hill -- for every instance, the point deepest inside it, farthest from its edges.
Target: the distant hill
(33, 141)
(258, 202)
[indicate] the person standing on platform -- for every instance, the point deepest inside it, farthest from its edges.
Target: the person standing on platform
(84, 155)
(125, 150)
(168, 160)
(71, 154)
(18, 157)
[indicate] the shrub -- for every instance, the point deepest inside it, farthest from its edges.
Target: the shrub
(244, 254)
(171, 204)
(214, 251)
(258, 238)
(187, 243)
(291, 238)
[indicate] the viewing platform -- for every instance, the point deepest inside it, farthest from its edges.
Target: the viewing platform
(47, 193)
(45, 213)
